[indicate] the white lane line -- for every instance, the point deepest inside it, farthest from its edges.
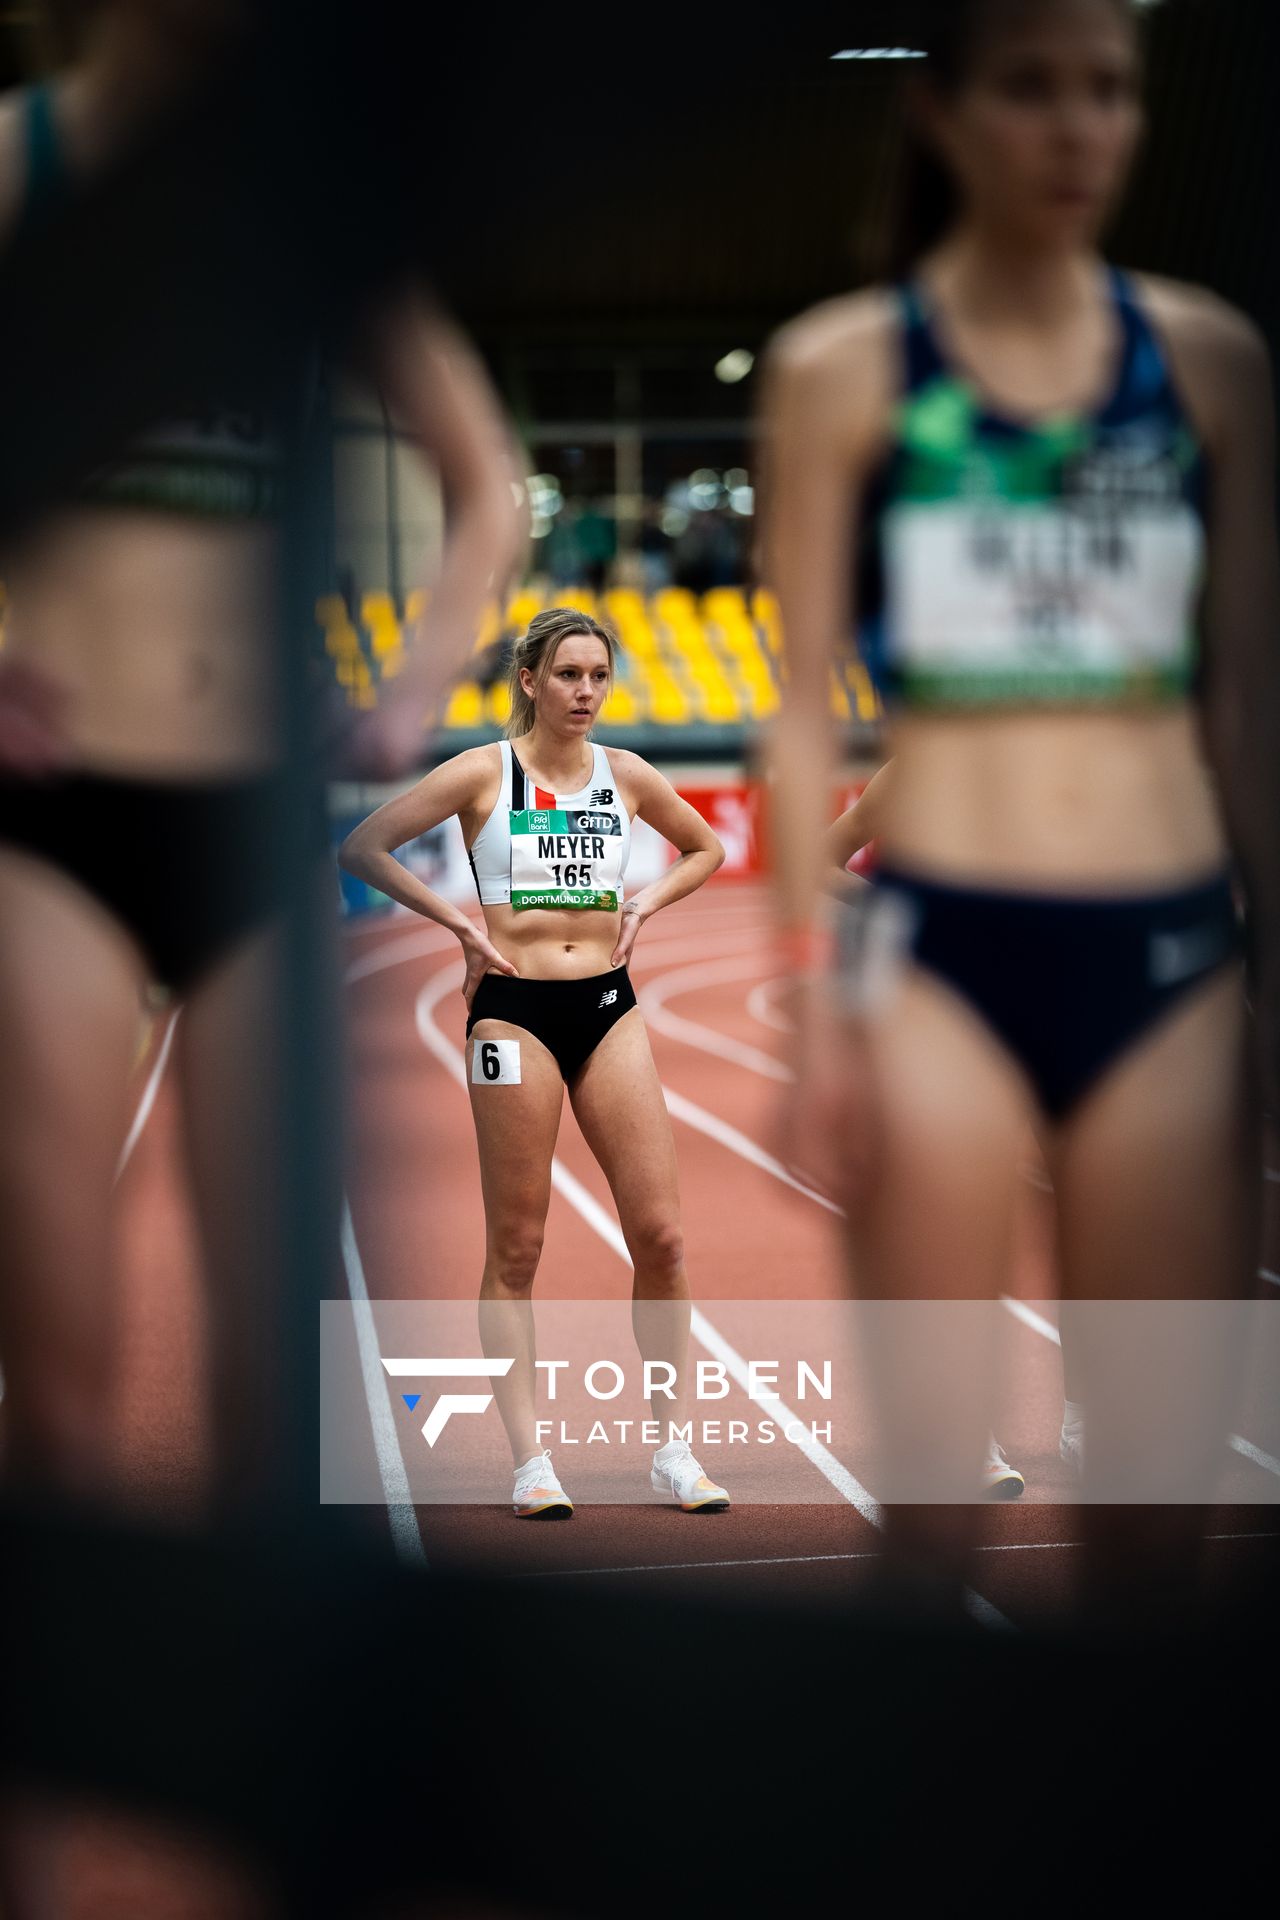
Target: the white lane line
(1038, 1324)
(815, 1559)
(603, 1223)
(693, 1033)
(403, 1519)
(402, 1516)
(760, 1004)
(719, 1130)
(418, 943)
(694, 1566)
(143, 1114)
(813, 1450)
(1030, 1318)
(709, 973)
(1259, 1455)
(148, 1099)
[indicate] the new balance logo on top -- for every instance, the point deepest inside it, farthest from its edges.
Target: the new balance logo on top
(602, 796)
(608, 997)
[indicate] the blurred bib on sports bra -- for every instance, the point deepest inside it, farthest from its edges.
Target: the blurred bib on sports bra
(1060, 560)
(1011, 588)
(566, 857)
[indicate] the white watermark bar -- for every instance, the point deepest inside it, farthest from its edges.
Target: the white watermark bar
(845, 1402)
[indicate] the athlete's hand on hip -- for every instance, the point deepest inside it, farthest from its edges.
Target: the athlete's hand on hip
(824, 1128)
(32, 705)
(629, 924)
(482, 957)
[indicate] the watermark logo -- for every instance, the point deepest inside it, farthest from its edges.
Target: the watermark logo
(430, 1368)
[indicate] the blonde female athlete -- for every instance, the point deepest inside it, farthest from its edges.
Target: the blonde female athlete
(1023, 437)
(546, 815)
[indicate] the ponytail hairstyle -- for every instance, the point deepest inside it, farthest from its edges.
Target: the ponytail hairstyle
(926, 202)
(537, 650)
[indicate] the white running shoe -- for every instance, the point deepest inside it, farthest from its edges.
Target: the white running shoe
(675, 1471)
(1071, 1448)
(1000, 1481)
(538, 1494)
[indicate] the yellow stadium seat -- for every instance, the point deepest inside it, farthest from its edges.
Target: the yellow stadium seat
(378, 613)
(864, 694)
(416, 605)
(341, 640)
(764, 609)
(669, 703)
(466, 706)
(715, 698)
(580, 598)
(490, 627)
(521, 609)
(730, 627)
(621, 709)
(499, 701)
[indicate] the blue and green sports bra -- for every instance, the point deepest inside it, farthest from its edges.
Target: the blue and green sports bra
(1013, 563)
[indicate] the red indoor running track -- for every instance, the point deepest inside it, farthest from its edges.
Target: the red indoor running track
(702, 971)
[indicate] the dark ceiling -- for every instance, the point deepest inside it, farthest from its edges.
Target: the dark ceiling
(729, 188)
(587, 178)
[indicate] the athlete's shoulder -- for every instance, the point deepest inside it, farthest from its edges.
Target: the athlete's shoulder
(827, 337)
(1218, 354)
(833, 369)
(471, 770)
(1201, 322)
(630, 770)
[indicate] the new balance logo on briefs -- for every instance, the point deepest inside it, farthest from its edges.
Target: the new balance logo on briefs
(1176, 956)
(602, 796)
(608, 997)
(448, 1403)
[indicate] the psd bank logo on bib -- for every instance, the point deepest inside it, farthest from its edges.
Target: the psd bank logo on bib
(448, 1403)
(539, 823)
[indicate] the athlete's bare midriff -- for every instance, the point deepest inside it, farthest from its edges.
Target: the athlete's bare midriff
(554, 944)
(160, 632)
(1082, 800)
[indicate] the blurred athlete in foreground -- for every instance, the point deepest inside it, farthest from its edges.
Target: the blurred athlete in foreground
(1065, 618)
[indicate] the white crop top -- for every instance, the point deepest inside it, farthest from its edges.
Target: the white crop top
(540, 849)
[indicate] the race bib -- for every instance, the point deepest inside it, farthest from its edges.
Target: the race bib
(566, 858)
(999, 599)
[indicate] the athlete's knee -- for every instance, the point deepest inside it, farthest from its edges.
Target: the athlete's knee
(658, 1246)
(514, 1253)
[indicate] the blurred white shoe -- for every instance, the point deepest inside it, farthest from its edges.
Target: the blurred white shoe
(1000, 1481)
(1071, 1447)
